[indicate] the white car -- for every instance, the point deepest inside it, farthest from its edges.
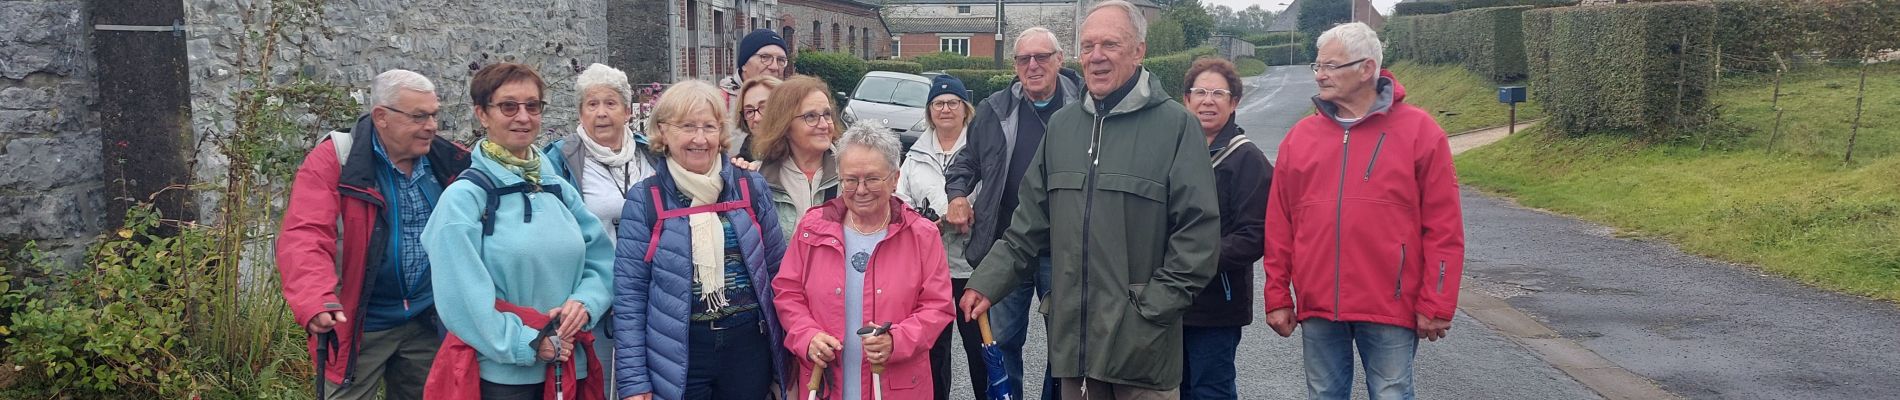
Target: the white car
(893, 98)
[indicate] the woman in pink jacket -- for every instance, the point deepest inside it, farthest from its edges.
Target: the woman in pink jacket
(864, 260)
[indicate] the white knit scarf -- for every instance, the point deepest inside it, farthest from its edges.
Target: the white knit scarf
(607, 156)
(709, 237)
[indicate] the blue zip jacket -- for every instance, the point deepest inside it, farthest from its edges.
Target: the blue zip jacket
(654, 299)
(562, 255)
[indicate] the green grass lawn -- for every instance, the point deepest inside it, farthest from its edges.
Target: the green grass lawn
(1250, 67)
(1460, 100)
(1799, 212)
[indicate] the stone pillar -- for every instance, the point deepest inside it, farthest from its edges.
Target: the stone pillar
(51, 191)
(641, 34)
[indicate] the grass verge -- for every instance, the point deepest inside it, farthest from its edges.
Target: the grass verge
(1460, 100)
(1799, 212)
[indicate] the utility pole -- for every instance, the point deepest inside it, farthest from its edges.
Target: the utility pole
(998, 50)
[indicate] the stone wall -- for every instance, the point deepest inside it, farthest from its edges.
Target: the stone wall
(441, 39)
(51, 190)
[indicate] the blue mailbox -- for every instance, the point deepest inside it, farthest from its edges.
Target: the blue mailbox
(1510, 94)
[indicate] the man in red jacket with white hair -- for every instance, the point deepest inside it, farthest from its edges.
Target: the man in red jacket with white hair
(1363, 223)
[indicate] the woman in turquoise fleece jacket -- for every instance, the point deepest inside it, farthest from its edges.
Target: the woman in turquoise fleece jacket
(546, 253)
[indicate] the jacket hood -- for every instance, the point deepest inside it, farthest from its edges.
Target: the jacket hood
(1388, 90)
(827, 175)
(1143, 95)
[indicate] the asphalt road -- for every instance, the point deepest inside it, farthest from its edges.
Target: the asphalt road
(1696, 327)
(1473, 363)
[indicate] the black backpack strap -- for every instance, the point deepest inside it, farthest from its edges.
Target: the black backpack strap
(487, 183)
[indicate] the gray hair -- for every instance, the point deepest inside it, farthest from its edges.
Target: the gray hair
(383, 90)
(871, 135)
(1360, 41)
(1037, 31)
(1139, 22)
(602, 75)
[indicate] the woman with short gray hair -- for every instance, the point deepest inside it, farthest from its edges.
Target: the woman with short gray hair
(604, 157)
(865, 260)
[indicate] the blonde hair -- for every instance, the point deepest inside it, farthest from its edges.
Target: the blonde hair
(738, 101)
(772, 142)
(682, 98)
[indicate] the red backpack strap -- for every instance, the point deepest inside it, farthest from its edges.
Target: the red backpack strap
(659, 221)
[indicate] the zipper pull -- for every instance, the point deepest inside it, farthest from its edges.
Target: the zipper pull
(405, 304)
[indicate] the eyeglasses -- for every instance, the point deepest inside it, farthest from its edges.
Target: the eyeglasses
(1330, 68)
(1202, 93)
(770, 60)
(696, 130)
(853, 183)
(1038, 58)
(750, 112)
(413, 117)
(510, 108)
(946, 105)
(813, 119)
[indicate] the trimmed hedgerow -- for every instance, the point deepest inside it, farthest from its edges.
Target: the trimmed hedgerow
(1487, 41)
(1630, 67)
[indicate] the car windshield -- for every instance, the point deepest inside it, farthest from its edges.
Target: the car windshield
(893, 91)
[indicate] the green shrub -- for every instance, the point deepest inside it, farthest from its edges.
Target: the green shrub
(982, 82)
(949, 61)
(895, 66)
(1165, 37)
(1450, 6)
(1249, 67)
(1422, 8)
(1488, 41)
(1283, 54)
(1629, 67)
(1859, 29)
(839, 70)
(1749, 33)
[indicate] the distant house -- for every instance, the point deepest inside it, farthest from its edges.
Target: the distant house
(969, 27)
(701, 37)
(1289, 20)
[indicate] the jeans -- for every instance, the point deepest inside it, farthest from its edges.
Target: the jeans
(729, 358)
(1009, 320)
(1386, 351)
(1208, 373)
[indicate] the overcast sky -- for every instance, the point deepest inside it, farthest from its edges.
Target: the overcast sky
(1384, 6)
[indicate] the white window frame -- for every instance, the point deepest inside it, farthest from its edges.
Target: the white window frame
(948, 44)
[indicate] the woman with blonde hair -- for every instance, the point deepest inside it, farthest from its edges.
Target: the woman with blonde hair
(793, 146)
(699, 244)
(748, 112)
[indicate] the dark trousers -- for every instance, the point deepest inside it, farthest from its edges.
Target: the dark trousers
(940, 367)
(729, 359)
(496, 391)
(1208, 373)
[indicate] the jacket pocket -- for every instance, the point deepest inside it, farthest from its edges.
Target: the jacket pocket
(1374, 161)
(1398, 287)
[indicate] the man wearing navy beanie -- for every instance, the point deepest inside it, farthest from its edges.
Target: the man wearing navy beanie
(762, 52)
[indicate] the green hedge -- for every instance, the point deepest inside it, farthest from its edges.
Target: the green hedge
(1450, 6)
(1751, 33)
(1284, 54)
(1628, 67)
(1273, 38)
(1172, 69)
(1488, 41)
(948, 61)
(896, 66)
(839, 70)
(982, 82)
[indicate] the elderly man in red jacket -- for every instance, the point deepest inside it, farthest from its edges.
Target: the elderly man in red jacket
(1363, 223)
(350, 249)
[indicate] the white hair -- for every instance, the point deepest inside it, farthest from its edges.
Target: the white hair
(383, 90)
(873, 136)
(1360, 41)
(598, 75)
(1139, 22)
(1037, 31)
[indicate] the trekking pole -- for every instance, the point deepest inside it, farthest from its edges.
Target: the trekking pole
(323, 360)
(817, 380)
(877, 368)
(549, 330)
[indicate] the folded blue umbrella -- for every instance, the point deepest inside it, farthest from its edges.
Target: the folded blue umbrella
(1000, 386)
